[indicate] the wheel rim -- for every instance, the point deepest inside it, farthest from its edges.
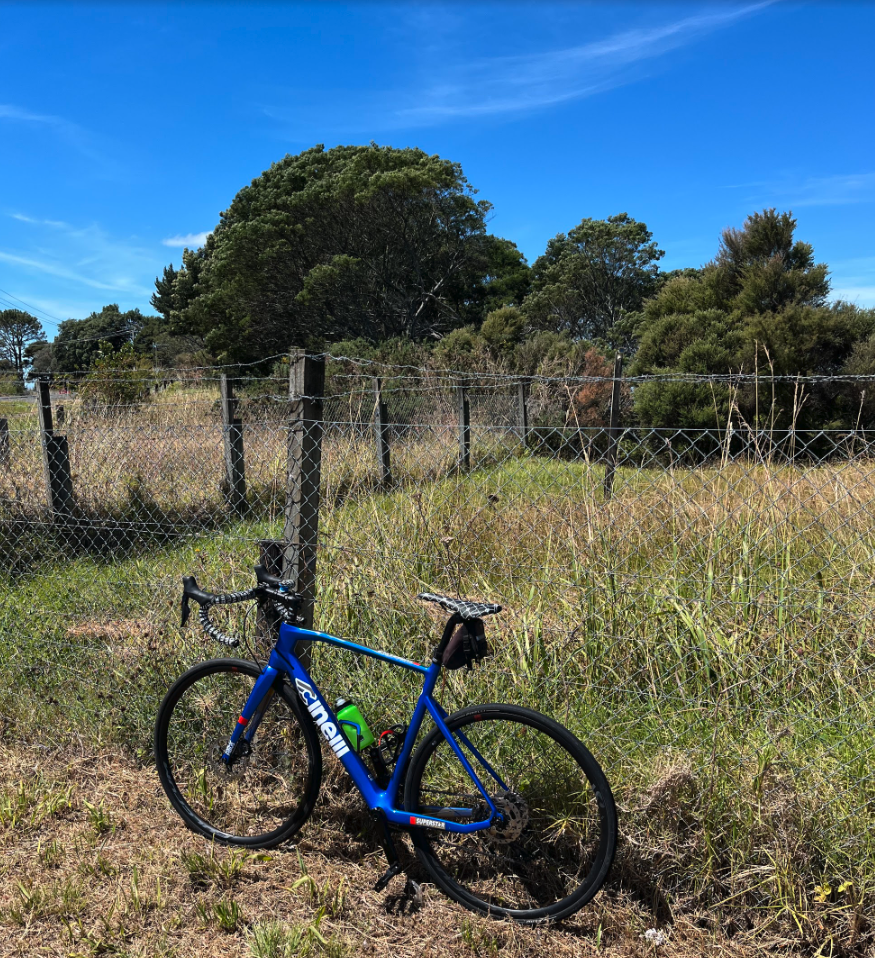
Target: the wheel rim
(263, 789)
(552, 843)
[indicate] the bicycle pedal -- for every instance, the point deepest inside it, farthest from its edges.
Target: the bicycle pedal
(391, 872)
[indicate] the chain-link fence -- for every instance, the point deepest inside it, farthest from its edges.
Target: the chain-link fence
(701, 620)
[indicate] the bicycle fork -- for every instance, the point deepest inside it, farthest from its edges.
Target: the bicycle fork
(251, 716)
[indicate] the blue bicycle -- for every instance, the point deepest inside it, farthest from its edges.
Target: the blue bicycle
(509, 813)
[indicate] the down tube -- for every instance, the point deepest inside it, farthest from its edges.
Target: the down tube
(326, 722)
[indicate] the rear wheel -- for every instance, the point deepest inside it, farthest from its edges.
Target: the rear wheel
(265, 796)
(551, 852)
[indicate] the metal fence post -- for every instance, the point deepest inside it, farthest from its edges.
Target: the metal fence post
(4, 442)
(303, 473)
(381, 428)
(614, 428)
(56, 457)
(232, 435)
(464, 429)
(522, 396)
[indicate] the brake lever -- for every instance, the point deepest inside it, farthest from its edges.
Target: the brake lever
(186, 611)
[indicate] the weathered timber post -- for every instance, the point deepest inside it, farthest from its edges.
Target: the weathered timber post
(232, 435)
(4, 442)
(381, 428)
(303, 474)
(56, 458)
(614, 428)
(522, 404)
(267, 619)
(464, 429)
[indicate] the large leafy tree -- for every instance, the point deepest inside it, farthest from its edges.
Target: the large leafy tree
(761, 268)
(118, 377)
(758, 307)
(17, 331)
(355, 241)
(78, 342)
(509, 277)
(589, 280)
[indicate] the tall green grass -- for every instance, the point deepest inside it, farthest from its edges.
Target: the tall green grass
(705, 633)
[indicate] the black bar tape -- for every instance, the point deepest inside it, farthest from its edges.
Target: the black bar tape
(212, 631)
(207, 600)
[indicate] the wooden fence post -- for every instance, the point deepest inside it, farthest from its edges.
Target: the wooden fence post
(4, 442)
(232, 435)
(522, 390)
(56, 457)
(614, 428)
(303, 473)
(381, 427)
(267, 619)
(464, 429)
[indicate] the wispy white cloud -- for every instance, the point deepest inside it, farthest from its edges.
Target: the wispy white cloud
(9, 112)
(80, 139)
(860, 295)
(793, 191)
(853, 280)
(190, 240)
(836, 190)
(446, 83)
(58, 224)
(54, 269)
(500, 85)
(50, 260)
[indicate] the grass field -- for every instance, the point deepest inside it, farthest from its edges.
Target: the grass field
(706, 633)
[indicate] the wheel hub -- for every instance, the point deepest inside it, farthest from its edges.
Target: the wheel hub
(515, 817)
(238, 764)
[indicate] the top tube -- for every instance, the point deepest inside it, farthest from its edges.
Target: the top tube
(290, 634)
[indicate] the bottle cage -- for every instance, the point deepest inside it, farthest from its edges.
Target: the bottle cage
(466, 646)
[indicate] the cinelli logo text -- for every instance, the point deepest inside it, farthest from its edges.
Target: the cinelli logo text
(320, 717)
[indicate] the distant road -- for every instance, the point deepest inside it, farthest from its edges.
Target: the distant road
(30, 396)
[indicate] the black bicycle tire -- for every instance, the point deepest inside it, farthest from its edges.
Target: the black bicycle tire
(423, 838)
(164, 763)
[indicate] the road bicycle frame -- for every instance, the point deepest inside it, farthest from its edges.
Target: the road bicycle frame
(284, 662)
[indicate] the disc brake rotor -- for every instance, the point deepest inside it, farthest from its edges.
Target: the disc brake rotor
(515, 817)
(237, 766)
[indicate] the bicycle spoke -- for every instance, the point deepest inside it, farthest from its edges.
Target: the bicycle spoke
(268, 786)
(552, 832)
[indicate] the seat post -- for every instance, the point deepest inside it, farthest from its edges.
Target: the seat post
(454, 620)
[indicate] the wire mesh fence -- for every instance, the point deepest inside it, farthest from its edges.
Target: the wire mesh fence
(702, 623)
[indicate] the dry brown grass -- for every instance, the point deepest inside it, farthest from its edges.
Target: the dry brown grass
(111, 870)
(166, 458)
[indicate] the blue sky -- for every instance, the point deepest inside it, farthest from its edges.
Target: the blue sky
(126, 128)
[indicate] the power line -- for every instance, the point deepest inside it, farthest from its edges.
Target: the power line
(54, 319)
(125, 331)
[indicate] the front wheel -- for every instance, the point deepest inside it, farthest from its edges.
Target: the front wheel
(553, 848)
(269, 791)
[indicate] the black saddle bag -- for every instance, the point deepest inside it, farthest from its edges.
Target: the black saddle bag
(466, 646)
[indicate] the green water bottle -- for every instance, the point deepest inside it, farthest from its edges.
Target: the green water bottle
(353, 724)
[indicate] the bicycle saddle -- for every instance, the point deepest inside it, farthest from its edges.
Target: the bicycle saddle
(466, 609)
